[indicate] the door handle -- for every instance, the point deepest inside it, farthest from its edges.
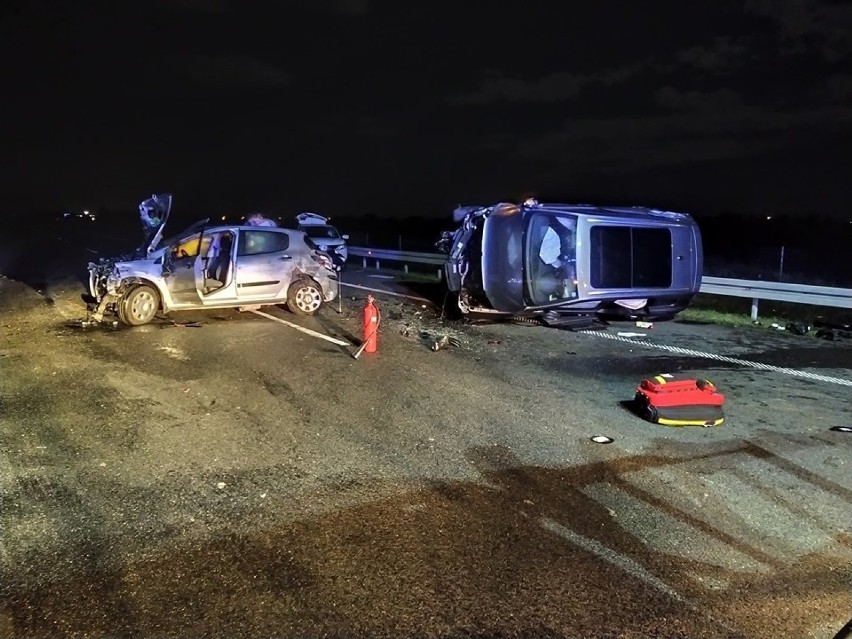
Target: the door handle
(285, 257)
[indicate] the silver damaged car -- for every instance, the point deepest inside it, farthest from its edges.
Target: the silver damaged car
(211, 266)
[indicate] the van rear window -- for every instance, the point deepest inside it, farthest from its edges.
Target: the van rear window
(630, 257)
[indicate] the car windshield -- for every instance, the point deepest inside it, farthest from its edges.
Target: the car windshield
(320, 231)
(551, 273)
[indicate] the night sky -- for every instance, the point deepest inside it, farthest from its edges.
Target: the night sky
(350, 107)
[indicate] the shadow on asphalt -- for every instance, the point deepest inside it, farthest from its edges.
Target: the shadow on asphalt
(529, 551)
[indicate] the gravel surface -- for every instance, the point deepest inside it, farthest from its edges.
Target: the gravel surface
(242, 479)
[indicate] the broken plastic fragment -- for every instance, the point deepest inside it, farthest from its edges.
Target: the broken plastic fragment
(444, 341)
(602, 439)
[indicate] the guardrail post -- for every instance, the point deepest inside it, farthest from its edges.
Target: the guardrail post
(378, 266)
(440, 275)
(754, 309)
(405, 268)
(364, 262)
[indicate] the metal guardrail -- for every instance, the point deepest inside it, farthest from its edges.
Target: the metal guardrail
(378, 255)
(753, 289)
(779, 291)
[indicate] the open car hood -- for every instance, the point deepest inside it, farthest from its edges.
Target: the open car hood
(308, 219)
(154, 213)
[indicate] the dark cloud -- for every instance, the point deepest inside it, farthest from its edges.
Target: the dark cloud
(345, 8)
(214, 7)
(838, 87)
(827, 23)
(229, 71)
(554, 87)
(724, 54)
(724, 100)
(344, 102)
(696, 134)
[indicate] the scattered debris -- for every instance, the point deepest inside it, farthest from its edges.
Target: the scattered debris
(443, 342)
(602, 439)
(184, 324)
(777, 327)
(821, 322)
(841, 429)
(798, 329)
(629, 334)
(833, 334)
(91, 323)
(641, 324)
(220, 485)
(495, 341)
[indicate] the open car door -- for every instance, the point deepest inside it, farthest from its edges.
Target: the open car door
(154, 213)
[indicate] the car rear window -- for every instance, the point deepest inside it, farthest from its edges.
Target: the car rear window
(320, 231)
(630, 257)
(258, 242)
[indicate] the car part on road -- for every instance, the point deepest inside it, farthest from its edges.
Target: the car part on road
(183, 324)
(841, 429)
(601, 439)
(443, 342)
(685, 402)
(797, 328)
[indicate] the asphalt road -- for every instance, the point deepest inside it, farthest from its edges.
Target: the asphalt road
(244, 479)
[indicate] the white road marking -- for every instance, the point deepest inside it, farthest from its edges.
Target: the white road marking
(724, 358)
(628, 565)
(384, 292)
(307, 331)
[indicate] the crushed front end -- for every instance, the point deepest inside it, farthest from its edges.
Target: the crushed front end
(104, 284)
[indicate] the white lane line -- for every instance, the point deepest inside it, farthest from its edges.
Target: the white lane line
(723, 358)
(627, 564)
(308, 331)
(384, 292)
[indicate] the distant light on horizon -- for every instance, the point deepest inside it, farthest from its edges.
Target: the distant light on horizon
(768, 217)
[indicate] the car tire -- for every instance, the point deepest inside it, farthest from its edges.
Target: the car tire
(139, 305)
(304, 297)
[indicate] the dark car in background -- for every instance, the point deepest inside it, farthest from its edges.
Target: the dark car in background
(561, 262)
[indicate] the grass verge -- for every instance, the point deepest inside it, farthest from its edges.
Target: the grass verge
(736, 311)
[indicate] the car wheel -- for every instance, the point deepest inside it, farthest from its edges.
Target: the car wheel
(139, 305)
(119, 309)
(304, 297)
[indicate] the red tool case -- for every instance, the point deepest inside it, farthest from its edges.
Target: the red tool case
(680, 402)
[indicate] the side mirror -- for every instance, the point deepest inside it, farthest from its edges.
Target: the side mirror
(345, 237)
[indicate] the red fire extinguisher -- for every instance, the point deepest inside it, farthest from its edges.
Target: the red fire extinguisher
(372, 319)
